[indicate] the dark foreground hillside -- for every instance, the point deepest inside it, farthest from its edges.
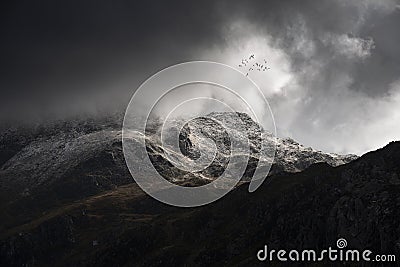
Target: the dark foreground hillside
(122, 226)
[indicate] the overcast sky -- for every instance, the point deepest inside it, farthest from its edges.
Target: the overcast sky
(334, 82)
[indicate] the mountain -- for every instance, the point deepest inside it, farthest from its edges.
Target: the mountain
(53, 153)
(51, 166)
(357, 201)
(290, 156)
(60, 184)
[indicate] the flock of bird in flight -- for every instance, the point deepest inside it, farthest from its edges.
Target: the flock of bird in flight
(255, 66)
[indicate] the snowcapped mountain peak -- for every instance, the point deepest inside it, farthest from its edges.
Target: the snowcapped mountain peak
(36, 160)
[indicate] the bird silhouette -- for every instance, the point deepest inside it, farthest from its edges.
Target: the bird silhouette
(255, 66)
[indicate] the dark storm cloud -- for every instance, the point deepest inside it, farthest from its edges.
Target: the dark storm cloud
(338, 90)
(344, 63)
(368, 20)
(52, 48)
(383, 67)
(58, 49)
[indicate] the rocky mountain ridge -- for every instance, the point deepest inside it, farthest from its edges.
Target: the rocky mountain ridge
(56, 153)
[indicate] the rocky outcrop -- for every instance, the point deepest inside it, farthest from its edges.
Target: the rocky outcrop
(287, 155)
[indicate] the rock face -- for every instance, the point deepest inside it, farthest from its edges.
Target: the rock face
(289, 156)
(294, 157)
